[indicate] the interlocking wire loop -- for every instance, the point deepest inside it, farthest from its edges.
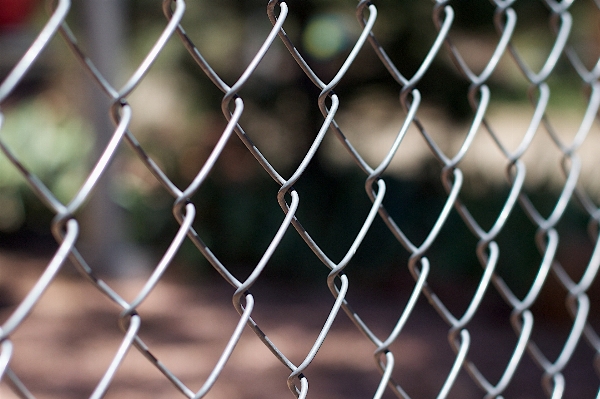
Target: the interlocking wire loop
(489, 250)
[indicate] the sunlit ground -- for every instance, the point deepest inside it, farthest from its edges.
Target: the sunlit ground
(64, 347)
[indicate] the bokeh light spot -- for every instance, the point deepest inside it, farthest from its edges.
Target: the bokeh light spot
(325, 36)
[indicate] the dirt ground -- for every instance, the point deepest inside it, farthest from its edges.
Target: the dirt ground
(64, 347)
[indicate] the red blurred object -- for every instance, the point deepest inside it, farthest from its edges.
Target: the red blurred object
(15, 12)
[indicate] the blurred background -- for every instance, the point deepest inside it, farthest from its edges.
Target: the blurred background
(57, 122)
(177, 119)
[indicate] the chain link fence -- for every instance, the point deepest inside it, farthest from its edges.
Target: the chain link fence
(546, 169)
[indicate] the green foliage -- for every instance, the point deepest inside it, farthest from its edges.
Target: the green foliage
(52, 145)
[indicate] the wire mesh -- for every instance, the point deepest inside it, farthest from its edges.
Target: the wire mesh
(451, 164)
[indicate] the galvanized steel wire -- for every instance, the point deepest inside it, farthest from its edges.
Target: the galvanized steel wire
(66, 225)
